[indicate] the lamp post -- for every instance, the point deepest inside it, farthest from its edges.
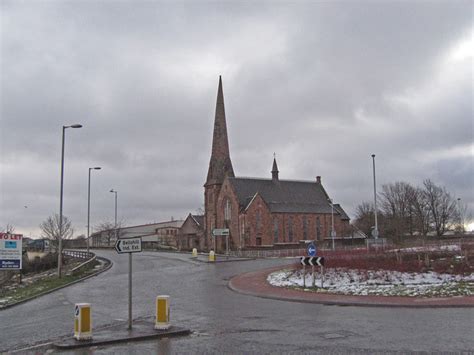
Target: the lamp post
(333, 232)
(461, 226)
(376, 229)
(115, 224)
(60, 245)
(89, 204)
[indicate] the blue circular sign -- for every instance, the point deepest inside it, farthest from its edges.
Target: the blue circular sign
(311, 249)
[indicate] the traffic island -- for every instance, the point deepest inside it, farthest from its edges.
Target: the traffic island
(256, 284)
(142, 330)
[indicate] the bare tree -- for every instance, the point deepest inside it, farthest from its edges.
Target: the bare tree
(50, 229)
(397, 206)
(442, 207)
(108, 230)
(8, 229)
(421, 209)
(364, 217)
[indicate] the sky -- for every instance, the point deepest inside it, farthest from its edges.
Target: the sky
(323, 85)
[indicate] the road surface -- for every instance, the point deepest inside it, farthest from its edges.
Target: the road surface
(227, 322)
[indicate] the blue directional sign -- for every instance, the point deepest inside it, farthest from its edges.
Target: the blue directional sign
(311, 249)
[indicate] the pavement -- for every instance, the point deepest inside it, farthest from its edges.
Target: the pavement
(255, 284)
(119, 333)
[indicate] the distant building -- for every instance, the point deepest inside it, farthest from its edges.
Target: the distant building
(154, 235)
(191, 234)
(263, 212)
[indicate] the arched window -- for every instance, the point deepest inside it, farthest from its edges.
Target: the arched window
(290, 228)
(305, 228)
(227, 210)
(275, 230)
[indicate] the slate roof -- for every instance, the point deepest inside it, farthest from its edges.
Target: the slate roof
(199, 219)
(285, 196)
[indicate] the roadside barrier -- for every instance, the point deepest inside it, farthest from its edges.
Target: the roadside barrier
(162, 318)
(82, 321)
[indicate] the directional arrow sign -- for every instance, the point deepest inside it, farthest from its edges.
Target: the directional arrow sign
(128, 245)
(219, 232)
(312, 260)
(311, 249)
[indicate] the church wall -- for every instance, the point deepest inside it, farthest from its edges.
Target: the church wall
(227, 193)
(266, 232)
(258, 219)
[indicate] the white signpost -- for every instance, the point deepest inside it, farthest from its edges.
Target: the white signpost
(224, 232)
(10, 251)
(129, 245)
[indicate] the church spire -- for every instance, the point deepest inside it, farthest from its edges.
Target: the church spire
(220, 164)
(274, 169)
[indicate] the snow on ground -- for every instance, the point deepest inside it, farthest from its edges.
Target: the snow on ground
(379, 283)
(447, 247)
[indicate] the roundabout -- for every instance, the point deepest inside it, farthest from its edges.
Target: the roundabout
(257, 284)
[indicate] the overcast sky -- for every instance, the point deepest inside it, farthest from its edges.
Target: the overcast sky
(322, 84)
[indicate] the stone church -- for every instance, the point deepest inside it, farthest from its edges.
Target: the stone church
(263, 212)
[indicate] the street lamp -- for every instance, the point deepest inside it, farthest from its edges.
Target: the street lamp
(333, 232)
(60, 245)
(115, 192)
(461, 225)
(376, 229)
(89, 204)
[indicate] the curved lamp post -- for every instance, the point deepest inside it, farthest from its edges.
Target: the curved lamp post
(115, 224)
(60, 245)
(89, 204)
(376, 229)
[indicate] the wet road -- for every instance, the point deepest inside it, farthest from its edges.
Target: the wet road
(226, 322)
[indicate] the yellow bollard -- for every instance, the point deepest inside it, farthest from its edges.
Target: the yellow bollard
(162, 317)
(82, 321)
(195, 253)
(212, 256)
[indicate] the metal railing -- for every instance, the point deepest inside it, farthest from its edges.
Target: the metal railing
(79, 254)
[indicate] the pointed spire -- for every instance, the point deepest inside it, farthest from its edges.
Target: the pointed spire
(220, 164)
(274, 169)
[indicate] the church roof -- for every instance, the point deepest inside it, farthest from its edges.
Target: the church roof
(285, 196)
(220, 164)
(199, 219)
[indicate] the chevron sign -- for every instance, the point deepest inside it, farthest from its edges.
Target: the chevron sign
(312, 260)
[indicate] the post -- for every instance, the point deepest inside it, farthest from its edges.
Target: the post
(60, 245)
(227, 246)
(88, 209)
(304, 276)
(115, 224)
(129, 291)
(314, 276)
(376, 230)
(322, 276)
(333, 234)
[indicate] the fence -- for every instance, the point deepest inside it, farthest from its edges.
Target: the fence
(79, 254)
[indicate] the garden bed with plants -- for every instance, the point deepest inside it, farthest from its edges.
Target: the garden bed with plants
(425, 272)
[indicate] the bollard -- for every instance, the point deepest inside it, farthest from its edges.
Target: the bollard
(195, 253)
(162, 317)
(212, 256)
(82, 321)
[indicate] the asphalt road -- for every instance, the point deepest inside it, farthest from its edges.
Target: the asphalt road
(226, 322)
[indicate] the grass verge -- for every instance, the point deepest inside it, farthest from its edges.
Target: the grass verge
(40, 286)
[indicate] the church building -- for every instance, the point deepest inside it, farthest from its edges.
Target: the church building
(263, 212)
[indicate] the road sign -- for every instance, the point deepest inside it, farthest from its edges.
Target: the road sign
(312, 260)
(10, 251)
(128, 245)
(311, 249)
(220, 232)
